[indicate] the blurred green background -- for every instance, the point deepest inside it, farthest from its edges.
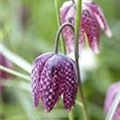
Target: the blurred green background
(28, 28)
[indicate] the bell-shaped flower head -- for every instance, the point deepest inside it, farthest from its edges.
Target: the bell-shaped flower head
(54, 74)
(92, 19)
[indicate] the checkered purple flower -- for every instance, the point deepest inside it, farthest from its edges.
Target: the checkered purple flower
(54, 74)
(112, 91)
(92, 19)
(4, 75)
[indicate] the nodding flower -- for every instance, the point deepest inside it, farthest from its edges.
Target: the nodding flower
(92, 18)
(111, 94)
(4, 75)
(54, 74)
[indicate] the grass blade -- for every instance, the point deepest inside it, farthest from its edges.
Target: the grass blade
(24, 100)
(21, 75)
(19, 61)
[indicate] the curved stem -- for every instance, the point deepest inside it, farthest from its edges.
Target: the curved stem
(58, 34)
(77, 28)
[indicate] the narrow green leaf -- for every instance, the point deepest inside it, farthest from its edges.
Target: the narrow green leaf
(79, 103)
(19, 61)
(24, 100)
(21, 85)
(18, 74)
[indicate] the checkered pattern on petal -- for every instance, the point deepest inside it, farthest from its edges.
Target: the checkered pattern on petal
(100, 17)
(82, 37)
(50, 84)
(92, 19)
(70, 84)
(92, 29)
(67, 15)
(64, 9)
(35, 76)
(52, 75)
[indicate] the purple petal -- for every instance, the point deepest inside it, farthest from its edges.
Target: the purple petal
(69, 16)
(4, 75)
(52, 75)
(67, 31)
(92, 29)
(63, 10)
(82, 37)
(100, 17)
(5, 62)
(70, 84)
(51, 82)
(35, 76)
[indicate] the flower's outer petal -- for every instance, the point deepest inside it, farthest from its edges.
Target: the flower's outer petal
(82, 37)
(112, 91)
(91, 27)
(70, 84)
(68, 33)
(35, 76)
(67, 14)
(100, 17)
(70, 17)
(51, 82)
(4, 75)
(63, 10)
(5, 62)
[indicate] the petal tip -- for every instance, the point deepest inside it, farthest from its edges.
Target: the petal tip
(47, 111)
(95, 48)
(109, 33)
(69, 109)
(97, 51)
(36, 104)
(36, 107)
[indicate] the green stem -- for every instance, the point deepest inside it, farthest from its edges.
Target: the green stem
(63, 47)
(71, 115)
(77, 28)
(15, 73)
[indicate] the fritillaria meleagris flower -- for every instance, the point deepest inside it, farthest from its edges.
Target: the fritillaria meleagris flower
(92, 19)
(52, 75)
(112, 91)
(6, 63)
